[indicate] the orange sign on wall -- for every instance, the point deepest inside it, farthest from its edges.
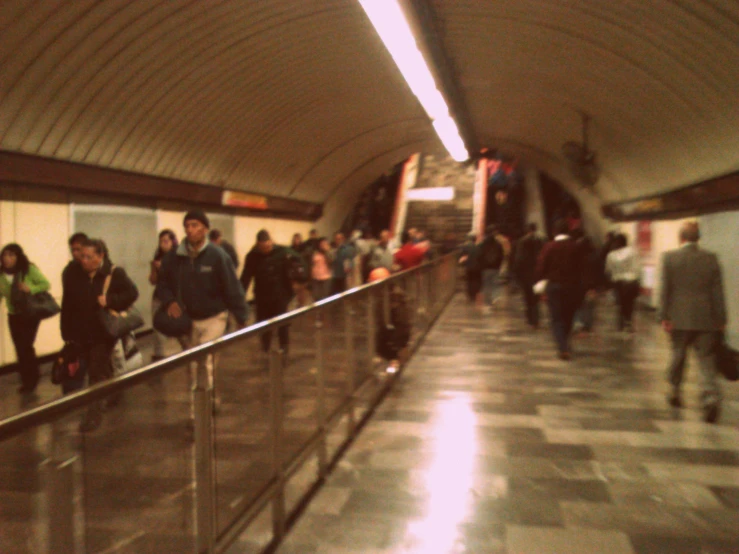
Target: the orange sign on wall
(236, 199)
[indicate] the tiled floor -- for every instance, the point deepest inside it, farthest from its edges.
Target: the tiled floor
(489, 444)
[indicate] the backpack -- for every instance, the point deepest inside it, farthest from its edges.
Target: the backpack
(491, 254)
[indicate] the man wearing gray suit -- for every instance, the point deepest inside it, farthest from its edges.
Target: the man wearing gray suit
(692, 310)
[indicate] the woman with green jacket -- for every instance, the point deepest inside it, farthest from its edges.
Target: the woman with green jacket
(17, 271)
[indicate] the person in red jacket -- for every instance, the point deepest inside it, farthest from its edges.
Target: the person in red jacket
(561, 264)
(410, 255)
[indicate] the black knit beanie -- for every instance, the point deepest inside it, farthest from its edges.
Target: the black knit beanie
(197, 215)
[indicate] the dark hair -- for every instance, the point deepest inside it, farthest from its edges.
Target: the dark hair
(98, 245)
(405, 237)
(620, 241)
(22, 264)
(158, 255)
(214, 235)
(561, 228)
(77, 238)
(532, 227)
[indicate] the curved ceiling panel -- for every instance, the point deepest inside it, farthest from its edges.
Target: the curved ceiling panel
(660, 80)
(300, 99)
(283, 97)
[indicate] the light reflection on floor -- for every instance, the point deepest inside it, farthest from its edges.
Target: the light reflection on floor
(449, 478)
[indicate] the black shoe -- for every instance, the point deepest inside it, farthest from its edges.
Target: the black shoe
(711, 413)
(674, 400)
(113, 400)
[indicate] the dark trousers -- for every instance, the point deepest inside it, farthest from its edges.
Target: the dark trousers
(99, 361)
(474, 284)
(338, 285)
(626, 294)
(705, 344)
(531, 303)
(268, 311)
(563, 302)
(23, 332)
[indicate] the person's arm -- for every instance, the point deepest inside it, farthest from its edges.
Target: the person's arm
(36, 281)
(717, 295)
(247, 274)
(234, 294)
(65, 320)
(154, 271)
(122, 292)
(665, 295)
(165, 291)
(542, 264)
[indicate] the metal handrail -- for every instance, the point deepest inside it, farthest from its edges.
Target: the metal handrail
(45, 413)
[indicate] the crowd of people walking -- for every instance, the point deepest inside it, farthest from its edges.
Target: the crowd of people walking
(569, 273)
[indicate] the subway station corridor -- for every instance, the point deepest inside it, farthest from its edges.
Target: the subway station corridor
(490, 444)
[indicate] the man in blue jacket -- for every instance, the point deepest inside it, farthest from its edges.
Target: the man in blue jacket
(198, 277)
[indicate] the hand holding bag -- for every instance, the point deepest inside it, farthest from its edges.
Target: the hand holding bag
(173, 326)
(119, 324)
(727, 361)
(33, 306)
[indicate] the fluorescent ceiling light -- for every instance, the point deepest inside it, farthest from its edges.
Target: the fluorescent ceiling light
(392, 26)
(431, 193)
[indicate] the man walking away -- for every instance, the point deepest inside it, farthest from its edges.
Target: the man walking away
(693, 311)
(269, 265)
(560, 264)
(624, 271)
(491, 259)
(524, 267)
(216, 237)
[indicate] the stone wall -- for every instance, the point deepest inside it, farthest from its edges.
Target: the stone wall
(440, 219)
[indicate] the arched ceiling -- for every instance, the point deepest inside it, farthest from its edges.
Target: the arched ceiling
(299, 98)
(660, 80)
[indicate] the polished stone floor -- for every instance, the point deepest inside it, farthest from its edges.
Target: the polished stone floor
(490, 444)
(487, 444)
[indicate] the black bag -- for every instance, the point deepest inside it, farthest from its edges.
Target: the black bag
(119, 324)
(32, 306)
(69, 369)
(41, 306)
(170, 326)
(727, 361)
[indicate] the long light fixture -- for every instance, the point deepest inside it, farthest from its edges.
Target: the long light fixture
(394, 30)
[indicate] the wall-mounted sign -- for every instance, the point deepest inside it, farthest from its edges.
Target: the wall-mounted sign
(431, 194)
(237, 199)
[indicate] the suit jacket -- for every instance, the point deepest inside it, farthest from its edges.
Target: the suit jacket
(692, 292)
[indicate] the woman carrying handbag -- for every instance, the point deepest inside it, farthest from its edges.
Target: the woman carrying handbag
(18, 279)
(86, 297)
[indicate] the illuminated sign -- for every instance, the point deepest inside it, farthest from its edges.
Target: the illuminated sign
(236, 199)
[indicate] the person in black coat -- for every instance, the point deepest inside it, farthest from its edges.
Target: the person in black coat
(524, 267)
(81, 324)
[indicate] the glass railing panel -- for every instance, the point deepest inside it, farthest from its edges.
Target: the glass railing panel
(41, 490)
(300, 386)
(137, 470)
(241, 437)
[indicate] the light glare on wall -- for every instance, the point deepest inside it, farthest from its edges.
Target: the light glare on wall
(431, 194)
(392, 26)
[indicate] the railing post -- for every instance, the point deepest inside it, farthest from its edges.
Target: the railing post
(350, 366)
(204, 453)
(371, 331)
(276, 418)
(321, 405)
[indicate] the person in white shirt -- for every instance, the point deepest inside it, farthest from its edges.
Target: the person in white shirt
(624, 270)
